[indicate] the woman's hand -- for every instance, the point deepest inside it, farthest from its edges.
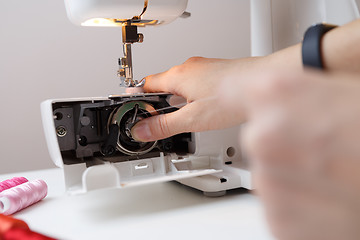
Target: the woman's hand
(303, 139)
(197, 80)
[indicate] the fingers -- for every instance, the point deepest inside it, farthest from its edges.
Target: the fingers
(172, 81)
(290, 124)
(157, 83)
(271, 136)
(164, 125)
(167, 81)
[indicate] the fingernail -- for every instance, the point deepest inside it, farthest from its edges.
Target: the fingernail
(141, 132)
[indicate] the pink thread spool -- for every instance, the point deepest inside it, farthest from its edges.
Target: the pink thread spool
(22, 196)
(9, 183)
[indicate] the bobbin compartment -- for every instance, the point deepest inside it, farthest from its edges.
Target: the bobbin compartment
(93, 132)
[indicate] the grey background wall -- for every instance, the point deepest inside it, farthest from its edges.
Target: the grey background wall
(42, 55)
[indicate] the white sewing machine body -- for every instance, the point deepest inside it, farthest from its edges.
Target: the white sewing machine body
(212, 161)
(208, 161)
(112, 13)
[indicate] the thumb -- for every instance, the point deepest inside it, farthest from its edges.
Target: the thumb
(162, 126)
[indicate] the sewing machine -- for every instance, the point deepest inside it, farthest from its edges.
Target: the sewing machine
(90, 138)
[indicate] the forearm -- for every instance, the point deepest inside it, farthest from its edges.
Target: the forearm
(289, 59)
(340, 51)
(340, 48)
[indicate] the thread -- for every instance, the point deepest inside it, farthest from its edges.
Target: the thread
(7, 223)
(180, 105)
(16, 229)
(17, 198)
(22, 234)
(10, 183)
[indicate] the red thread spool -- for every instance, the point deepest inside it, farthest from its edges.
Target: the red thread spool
(15, 229)
(22, 234)
(7, 222)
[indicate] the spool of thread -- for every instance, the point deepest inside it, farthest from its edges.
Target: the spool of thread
(22, 196)
(22, 234)
(13, 229)
(13, 182)
(7, 223)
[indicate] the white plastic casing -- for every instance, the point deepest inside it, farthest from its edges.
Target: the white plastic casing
(81, 12)
(216, 165)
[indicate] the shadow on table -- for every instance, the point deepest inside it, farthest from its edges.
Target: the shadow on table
(109, 204)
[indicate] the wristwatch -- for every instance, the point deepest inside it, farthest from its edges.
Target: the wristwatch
(311, 46)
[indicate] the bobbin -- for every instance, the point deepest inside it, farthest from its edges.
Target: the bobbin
(125, 117)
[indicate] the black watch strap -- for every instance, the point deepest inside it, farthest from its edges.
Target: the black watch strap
(311, 47)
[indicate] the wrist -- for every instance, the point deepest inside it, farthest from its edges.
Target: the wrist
(288, 58)
(249, 63)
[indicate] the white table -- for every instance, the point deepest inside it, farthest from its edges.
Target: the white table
(158, 211)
